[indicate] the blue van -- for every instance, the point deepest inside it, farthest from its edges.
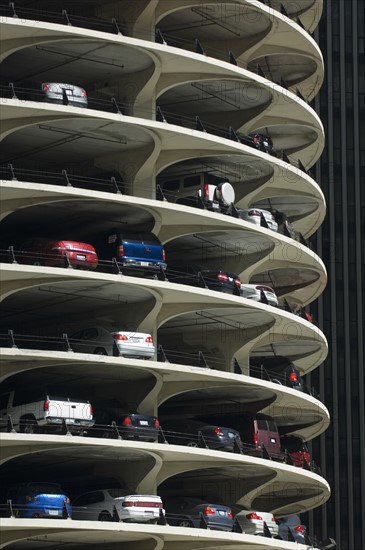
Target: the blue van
(39, 500)
(142, 252)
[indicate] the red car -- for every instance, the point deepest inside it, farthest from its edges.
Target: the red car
(297, 449)
(58, 253)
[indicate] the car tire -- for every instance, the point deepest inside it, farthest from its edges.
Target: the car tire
(194, 444)
(37, 262)
(184, 523)
(105, 516)
(100, 351)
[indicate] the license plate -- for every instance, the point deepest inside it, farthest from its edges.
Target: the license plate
(221, 512)
(231, 435)
(80, 257)
(145, 263)
(68, 92)
(215, 205)
(272, 440)
(70, 421)
(147, 513)
(143, 422)
(53, 512)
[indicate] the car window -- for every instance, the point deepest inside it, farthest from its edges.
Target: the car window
(90, 334)
(117, 492)
(45, 488)
(261, 424)
(28, 395)
(89, 498)
(272, 426)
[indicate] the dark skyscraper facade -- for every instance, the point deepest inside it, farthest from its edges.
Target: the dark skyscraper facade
(341, 244)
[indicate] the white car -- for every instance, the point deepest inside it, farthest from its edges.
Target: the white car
(102, 341)
(104, 504)
(259, 293)
(252, 522)
(56, 92)
(255, 215)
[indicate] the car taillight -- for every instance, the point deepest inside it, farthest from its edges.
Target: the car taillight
(91, 410)
(222, 277)
(206, 191)
(254, 213)
(293, 377)
(254, 515)
(209, 511)
(67, 500)
(126, 422)
(118, 336)
(229, 514)
(237, 282)
(149, 340)
(83, 93)
(299, 529)
(45, 87)
(46, 405)
(30, 498)
(255, 439)
(157, 424)
(163, 255)
(273, 519)
(218, 431)
(128, 503)
(121, 250)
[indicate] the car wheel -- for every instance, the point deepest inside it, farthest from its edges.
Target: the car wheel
(100, 351)
(185, 523)
(107, 435)
(37, 262)
(105, 516)
(192, 444)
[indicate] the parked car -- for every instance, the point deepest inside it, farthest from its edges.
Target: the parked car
(253, 522)
(58, 253)
(281, 370)
(293, 377)
(219, 280)
(102, 504)
(56, 92)
(190, 512)
(297, 449)
(264, 143)
(294, 525)
(257, 432)
(194, 433)
(37, 410)
(259, 293)
(102, 341)
(140, 253)
(259, 217)
(217, 198)
(38, 499)
(130, 425)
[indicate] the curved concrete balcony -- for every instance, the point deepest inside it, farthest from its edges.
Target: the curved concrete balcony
(140, 148)
(227, 95)
(227, 325)
(154, 384)
(137, 536)
(225, 242)
(151, 468)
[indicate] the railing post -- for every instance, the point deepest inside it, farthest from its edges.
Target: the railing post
(159, 193)
(232, 58)
(67, 343)
(12, 339)
(9, 504)
(12, 255)
(159, 38)
(115, 430)
(64, 97)
(161, 432)
(115, 515)
(267, 532)
(161, 356)
(202, 361)
(233, 135)
(116, 266)
(12, 172)
(161, 518)
(116, 26)
(65, 514)
(11, 86)
(201, 441)
(12, 6)
(265, 454)
(199, 125)
(203, 524)
(65, 430)
(66, 178)
(10, 425)
(236, 527)
(198, 47)
(160, 117)
(201, 280)
(115, 106)
(114, 182)
(67, 19)
(67, 263)
(236, 367)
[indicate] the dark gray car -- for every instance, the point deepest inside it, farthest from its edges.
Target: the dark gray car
(291, 528)
(193, 433)
(195, 512)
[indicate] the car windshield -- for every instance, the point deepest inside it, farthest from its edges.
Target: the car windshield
(115, 493)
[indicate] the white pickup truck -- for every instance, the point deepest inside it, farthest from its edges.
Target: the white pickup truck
(37, 411)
